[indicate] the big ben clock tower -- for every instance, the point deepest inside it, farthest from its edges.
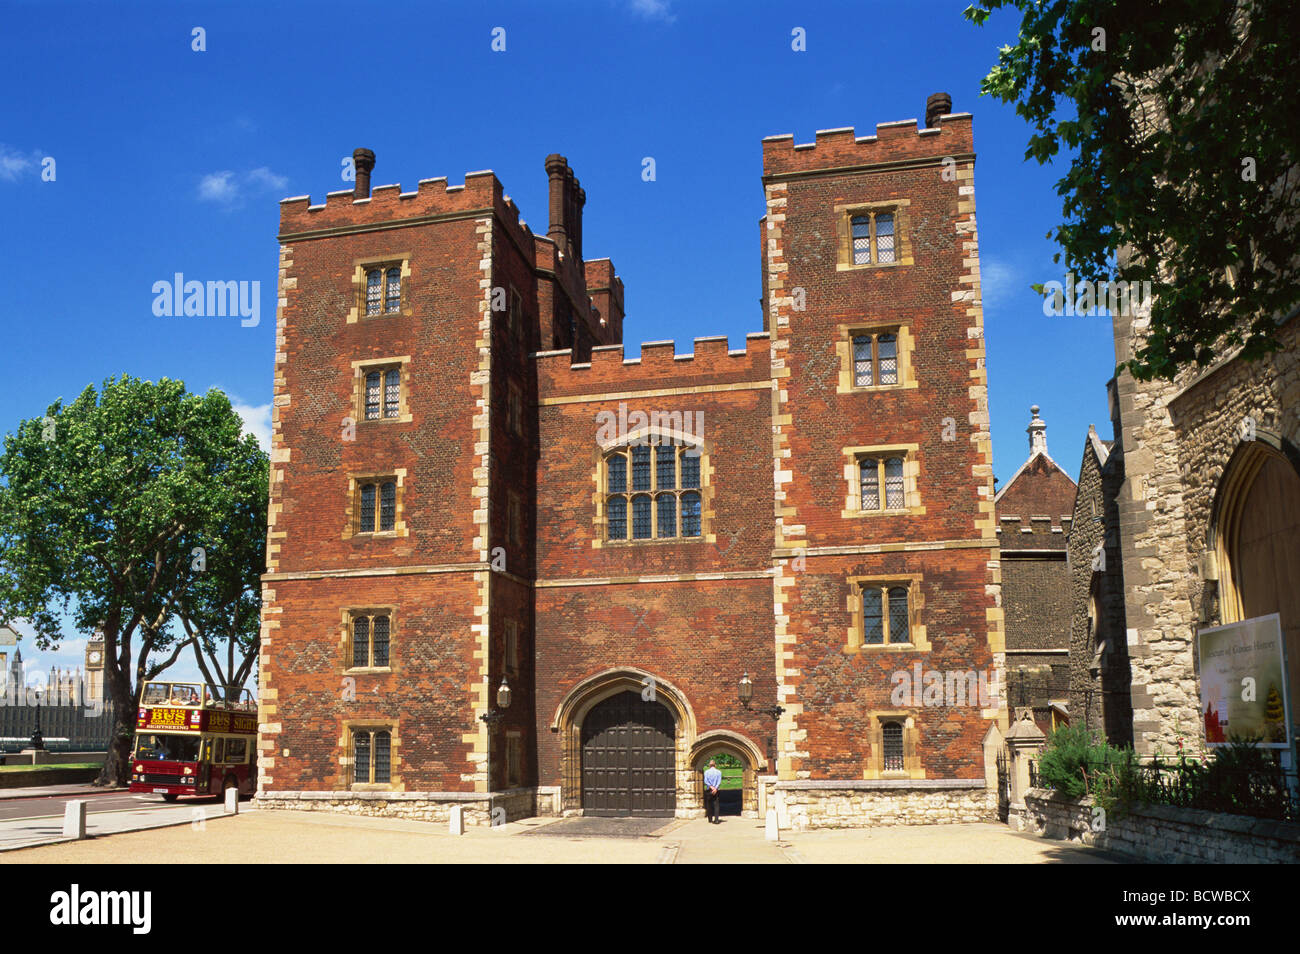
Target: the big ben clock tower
(95, 666)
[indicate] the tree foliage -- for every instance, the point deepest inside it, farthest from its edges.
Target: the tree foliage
(1180, 121)
(105, 503)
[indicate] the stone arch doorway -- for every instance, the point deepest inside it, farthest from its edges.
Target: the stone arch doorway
(1256, 542)
(634, 723)
(732, 746)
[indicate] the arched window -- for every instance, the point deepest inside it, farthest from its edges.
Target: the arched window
(660, 484)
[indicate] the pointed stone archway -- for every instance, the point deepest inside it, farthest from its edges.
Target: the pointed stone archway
(573, 711)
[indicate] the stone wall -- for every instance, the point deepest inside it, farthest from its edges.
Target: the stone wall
(1162, 834)
(1178, 438)
(868, 803)
(419, 806)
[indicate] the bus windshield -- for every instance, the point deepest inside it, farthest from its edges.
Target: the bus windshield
(167, 748)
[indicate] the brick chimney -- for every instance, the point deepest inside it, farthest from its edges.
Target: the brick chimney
(936, 105)
(557, 170)
(364, 161)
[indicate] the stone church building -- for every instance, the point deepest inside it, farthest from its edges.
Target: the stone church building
(512, 569)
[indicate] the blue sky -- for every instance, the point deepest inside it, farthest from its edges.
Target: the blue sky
(170, 160)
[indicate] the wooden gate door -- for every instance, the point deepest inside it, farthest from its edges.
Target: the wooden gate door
(628, 758)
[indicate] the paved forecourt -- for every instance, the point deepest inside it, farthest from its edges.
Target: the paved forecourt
(320, 838)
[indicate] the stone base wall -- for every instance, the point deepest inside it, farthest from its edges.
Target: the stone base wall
(1160, 833)
(480, 808)
(867, 803)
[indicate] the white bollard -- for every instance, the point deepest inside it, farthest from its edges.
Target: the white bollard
(74, 820)
(457, 820)
(232, 801)
(773, 831)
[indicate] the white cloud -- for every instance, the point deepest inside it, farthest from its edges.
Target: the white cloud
(14, 164)
(218, 187)
(267, 179)
(257, 421)
(1000, 282)
(229, 188)
(653, 10)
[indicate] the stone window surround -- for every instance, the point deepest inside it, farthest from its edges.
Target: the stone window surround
(705, 490)
(915, 603)
(352, 513)
(844, 214)
(359, 268)
(345, 639)
(853, 477)
(845, 333)
(347, 759)
(911, 745)
(363, 367)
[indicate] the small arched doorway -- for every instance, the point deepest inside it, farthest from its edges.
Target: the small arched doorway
(629, 756)
(738, 753)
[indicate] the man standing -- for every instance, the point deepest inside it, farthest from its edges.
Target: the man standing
(712, 782)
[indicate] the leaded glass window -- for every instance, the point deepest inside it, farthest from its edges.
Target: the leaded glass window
(667, 506)
(392, 392)
(690, 515)
(641, 517)
(374, 291)
(361, 757)
(884, 238)
(659, 482)
(361, 641)
(641, 467)
(617, 511)
(873, 630)
(899, 628)
(894, 484)
(892, 738)
(862, 369)
(387, 505)
(393, 293)
(869, 471)
(372, 395)
(371, 756)
(887, 353)
(886, 614)
(861, 240)
(367, 508)
(379, 651)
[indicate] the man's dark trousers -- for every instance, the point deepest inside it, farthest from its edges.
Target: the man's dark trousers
(711, 805)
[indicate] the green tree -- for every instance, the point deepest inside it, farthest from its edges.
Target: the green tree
(1179, 119)
(105, 505)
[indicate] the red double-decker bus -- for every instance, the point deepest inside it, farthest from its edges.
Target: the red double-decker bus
(190, 741)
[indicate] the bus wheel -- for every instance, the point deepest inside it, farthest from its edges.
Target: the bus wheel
(170, 798)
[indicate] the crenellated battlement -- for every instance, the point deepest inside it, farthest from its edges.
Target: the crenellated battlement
(897, 142)
(388, 203)
(659, 366)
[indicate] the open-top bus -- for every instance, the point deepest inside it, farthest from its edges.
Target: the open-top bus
(191, 741)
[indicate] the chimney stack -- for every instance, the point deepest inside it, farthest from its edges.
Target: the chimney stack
(557, 169)
(936, 105)
(364, 161)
